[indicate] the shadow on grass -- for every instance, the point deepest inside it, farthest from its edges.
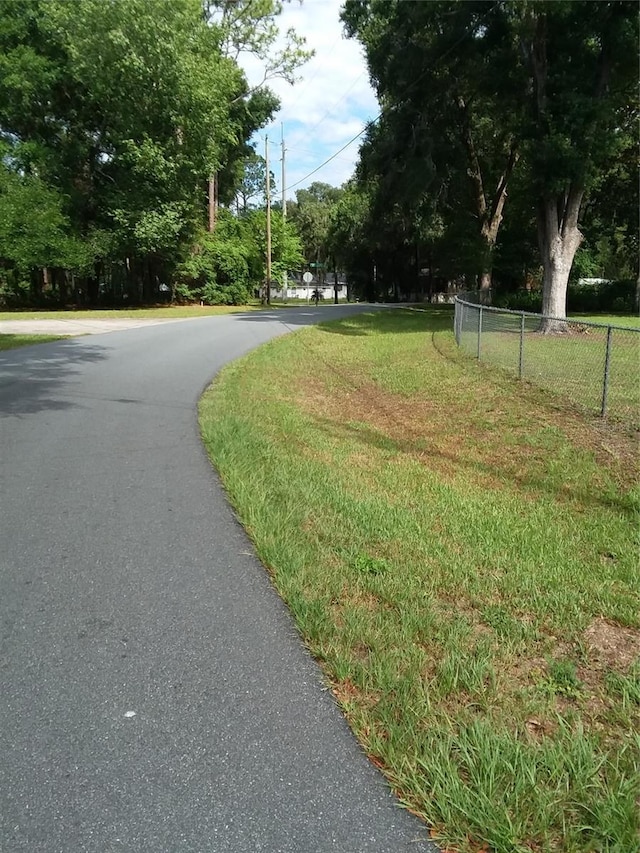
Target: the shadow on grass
(358, 319)
(308, 315)
(456, 463)
(400, 319)
(32, 379)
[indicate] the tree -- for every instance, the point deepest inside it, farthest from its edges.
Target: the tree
(286, 246)
(123, 110)
(312, 216)
(251, 187)
(581, 58)
(350, 238)
(451, 105)
(474, 86)
(35, 239)
(249, 26)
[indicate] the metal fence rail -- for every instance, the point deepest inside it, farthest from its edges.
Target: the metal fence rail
(596, 366)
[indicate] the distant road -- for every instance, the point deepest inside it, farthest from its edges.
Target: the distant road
(156, 697)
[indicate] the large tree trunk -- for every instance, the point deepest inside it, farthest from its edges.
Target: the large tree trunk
(559, 238)
(36, 285)
(93, 286)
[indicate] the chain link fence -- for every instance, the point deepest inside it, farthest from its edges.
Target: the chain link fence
(596, 366)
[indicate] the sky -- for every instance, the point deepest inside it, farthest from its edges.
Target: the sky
(330, 103)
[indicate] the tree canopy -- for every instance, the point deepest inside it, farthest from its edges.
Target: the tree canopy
(112, 118)
(489, 108)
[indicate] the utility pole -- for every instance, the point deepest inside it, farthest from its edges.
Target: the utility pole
(284, 215)
(268, 197)
(284, 200)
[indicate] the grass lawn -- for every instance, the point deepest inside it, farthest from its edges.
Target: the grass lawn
(571, 365)
(460, 553)
(626, 320)
(13, 341)
(161, 312)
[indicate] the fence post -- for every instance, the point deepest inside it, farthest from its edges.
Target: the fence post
(605, 384)
(479, 329)
(521, 356)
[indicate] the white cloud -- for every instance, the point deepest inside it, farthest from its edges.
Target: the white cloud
(328, 106)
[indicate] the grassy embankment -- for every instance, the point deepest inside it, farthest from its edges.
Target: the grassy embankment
(460, 553)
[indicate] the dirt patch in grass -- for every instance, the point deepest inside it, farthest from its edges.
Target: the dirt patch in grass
(347, 694)
(612, 645)
(465, 436)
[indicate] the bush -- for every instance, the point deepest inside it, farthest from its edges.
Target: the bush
(231, 293)
(617, 296)
(14, 292)
(217, 270)
(520, 300)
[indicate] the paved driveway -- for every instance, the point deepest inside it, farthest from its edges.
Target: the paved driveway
(156, 697)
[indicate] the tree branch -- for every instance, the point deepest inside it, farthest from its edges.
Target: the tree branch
(572, 208)
(474, 171)
(501, 190)
(538, 56)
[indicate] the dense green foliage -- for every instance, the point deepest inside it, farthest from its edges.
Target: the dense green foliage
(113, 116)
(505, 142)
(227, 267)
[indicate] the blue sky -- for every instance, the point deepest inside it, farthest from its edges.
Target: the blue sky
(328, 105)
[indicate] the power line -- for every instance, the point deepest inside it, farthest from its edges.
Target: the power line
(380, 114)
(339, 101)
(333, 156)
(298, 150)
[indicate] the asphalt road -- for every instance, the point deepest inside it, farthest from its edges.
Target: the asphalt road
(155, 695)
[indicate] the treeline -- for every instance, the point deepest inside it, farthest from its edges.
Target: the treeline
(505, 153)
(506, 150)
(117, 121)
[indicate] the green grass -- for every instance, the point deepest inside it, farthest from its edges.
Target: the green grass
(13, 341)
(571, 365)
(164, 312)
(629, 321)
(461, 557)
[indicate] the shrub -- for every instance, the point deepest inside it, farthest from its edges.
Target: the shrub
(617, 296)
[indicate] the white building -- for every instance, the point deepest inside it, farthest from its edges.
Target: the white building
(298, 289)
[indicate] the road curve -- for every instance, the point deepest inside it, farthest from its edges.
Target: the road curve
(155, 695)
